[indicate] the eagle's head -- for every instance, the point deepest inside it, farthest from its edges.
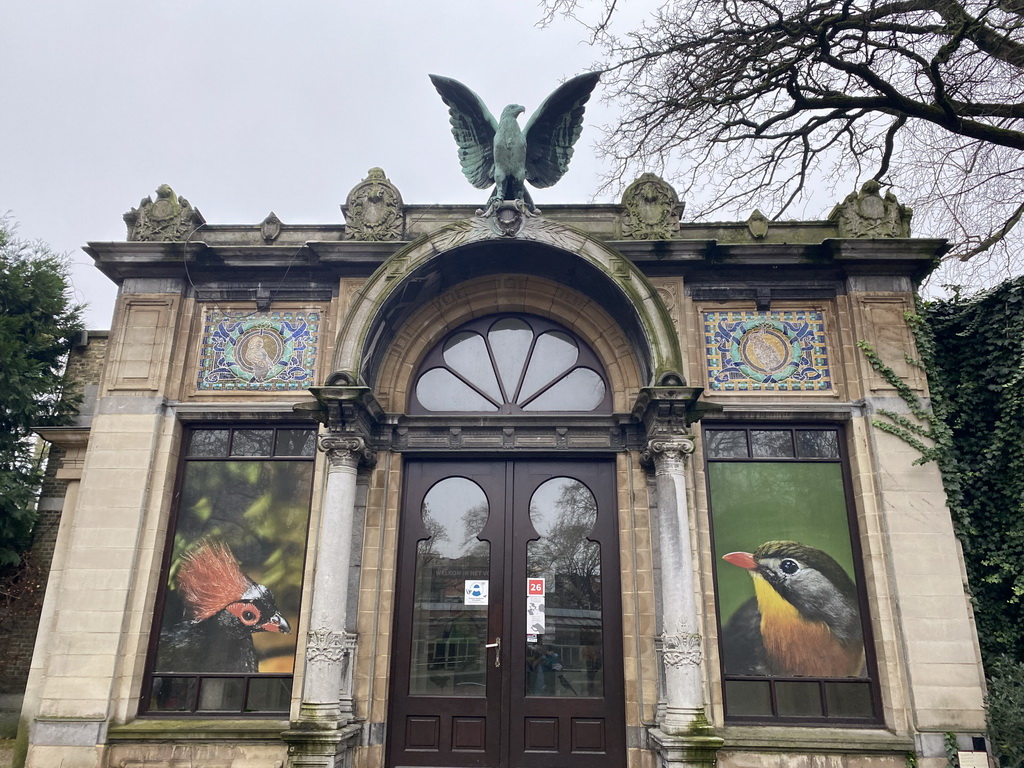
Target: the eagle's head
(512, 111)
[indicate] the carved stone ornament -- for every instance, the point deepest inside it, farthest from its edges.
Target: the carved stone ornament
(168, 218)
(684, 647)
(270, 229)
(347, 450)
(373, 210)
(506, 218)
(652, 208)
(868, 214)
(757, 224)
(327, 645)
(533, 228)
(667, 454)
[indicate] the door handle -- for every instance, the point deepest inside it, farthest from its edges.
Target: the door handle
(497, 654)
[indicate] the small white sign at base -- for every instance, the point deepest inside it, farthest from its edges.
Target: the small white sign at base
(973, 759)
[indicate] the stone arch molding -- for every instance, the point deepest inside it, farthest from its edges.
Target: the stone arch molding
(431, 265)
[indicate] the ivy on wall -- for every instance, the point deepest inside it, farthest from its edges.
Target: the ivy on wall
(974, 352)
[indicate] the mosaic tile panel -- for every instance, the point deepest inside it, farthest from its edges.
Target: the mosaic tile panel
(258, 351)
(776, 351)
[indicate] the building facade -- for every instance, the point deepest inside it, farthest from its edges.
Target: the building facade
(592, 488)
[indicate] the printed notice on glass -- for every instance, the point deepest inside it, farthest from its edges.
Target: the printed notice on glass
(534, 607)
(476, 592)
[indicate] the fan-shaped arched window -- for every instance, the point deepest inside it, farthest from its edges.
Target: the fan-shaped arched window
(511, 364)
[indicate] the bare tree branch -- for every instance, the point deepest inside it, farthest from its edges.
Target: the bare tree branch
(766, 102)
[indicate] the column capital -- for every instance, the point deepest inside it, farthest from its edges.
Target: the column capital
(667, 453)
(347, 450)
(666, 413)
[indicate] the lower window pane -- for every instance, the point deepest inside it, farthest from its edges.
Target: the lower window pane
(173, 694)
(221, 694)
(269, 695)
(798, 699)
(848, 699)
(748, 697)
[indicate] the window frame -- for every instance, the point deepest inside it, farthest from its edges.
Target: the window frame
(159, 606)
(870, 661)
(587, 359)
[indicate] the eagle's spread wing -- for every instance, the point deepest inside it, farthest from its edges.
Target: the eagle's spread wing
(473, 127)
(554, 128)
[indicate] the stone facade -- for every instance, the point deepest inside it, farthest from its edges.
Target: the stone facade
(731, 326)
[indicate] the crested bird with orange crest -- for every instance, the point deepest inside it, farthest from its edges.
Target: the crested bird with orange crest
(225, 607)
(804, 618)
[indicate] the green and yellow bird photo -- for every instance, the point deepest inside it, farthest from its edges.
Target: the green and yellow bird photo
(804, 618)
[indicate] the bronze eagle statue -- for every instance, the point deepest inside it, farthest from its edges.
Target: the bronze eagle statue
(499, 152)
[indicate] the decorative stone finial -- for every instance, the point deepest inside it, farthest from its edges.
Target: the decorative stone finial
(652, 208)
(757, 224)
(868, 214)
(169, 218)
(270, 229)
(373, 210)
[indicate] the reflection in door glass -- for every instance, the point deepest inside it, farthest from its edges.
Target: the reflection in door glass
(565, 656)
(449, 613)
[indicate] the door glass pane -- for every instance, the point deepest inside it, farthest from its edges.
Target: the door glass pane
(564, 641)
(451, 593)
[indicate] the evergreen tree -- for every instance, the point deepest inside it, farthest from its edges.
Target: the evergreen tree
(38, 319)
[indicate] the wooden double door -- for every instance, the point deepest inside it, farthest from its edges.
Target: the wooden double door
(508, 632)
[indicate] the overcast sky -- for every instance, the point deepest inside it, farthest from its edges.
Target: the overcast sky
(257, 106)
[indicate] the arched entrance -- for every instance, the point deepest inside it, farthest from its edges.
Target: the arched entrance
(509, 503)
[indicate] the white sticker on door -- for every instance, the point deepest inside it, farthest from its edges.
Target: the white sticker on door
(476, 592)
(534, 607)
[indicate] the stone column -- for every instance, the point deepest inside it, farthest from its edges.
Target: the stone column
(681, 640)
(329, 647)
(683, 738)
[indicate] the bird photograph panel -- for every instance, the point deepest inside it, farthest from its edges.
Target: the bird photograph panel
(235, 581)
(787, 597)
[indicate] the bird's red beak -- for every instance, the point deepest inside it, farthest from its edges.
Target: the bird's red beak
(742, 559)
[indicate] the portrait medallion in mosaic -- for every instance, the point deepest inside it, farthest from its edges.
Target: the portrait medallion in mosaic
(778, 351)
(258, 351)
